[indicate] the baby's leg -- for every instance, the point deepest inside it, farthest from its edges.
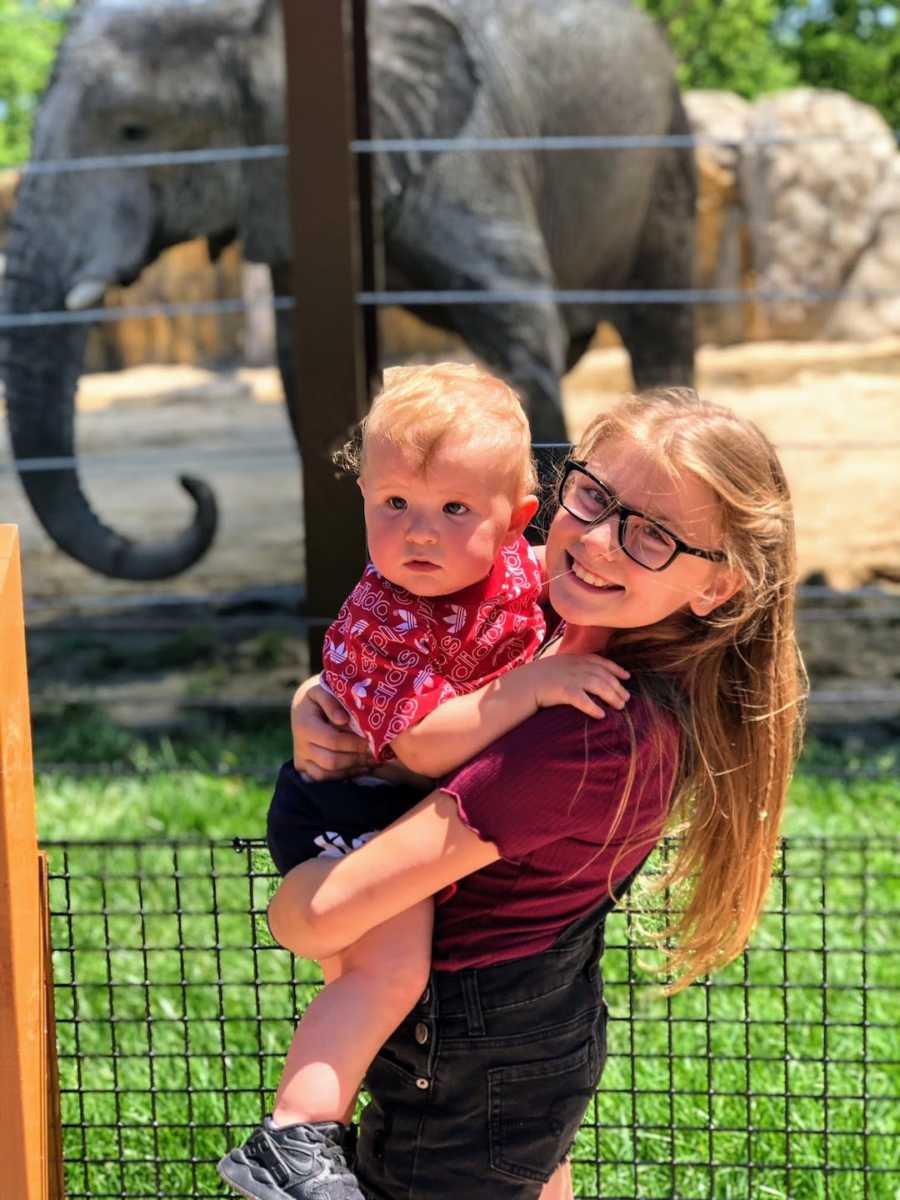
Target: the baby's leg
(559, 1185)
(373, 984)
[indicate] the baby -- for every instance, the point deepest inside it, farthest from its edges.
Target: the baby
(448, 603)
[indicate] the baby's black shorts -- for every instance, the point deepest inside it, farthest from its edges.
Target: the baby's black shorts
(310, 819)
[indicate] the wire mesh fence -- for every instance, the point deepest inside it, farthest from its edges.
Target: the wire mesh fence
(779, 1077)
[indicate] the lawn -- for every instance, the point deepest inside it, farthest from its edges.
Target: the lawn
(780, 1078)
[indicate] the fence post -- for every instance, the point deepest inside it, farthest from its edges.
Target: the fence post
(24, 1062)
(331, 379)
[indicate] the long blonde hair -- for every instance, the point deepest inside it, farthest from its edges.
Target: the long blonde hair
(733, 680)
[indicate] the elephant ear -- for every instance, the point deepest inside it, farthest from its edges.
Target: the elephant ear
(256, 65)
(423, 79)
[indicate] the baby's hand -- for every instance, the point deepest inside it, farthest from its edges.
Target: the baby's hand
(323, 746)
(577, 679)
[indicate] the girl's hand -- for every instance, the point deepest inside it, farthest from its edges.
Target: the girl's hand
(577, 679)
(323, 746)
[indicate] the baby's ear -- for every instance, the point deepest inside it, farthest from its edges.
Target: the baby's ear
(521, 516)
(723, 585)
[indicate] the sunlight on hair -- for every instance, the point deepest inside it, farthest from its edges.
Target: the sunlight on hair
(422, 407)
(733, 679)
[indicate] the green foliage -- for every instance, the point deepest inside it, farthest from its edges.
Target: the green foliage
(756, 46)
(850, 45)
(726, 43)
(29, 33)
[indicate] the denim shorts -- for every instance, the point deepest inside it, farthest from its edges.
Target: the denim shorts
(481, 1090)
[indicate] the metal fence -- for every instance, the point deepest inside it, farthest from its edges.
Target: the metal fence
(781, 1077)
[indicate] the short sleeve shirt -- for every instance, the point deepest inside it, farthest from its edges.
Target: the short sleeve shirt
(550, 795)
(391, 657)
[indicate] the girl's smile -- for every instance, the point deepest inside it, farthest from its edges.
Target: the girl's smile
(595, 582)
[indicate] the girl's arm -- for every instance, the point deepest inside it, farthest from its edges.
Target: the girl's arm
(325, 905)
(459, 728)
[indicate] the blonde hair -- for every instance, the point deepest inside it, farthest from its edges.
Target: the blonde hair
(733, 680)
(421, 407)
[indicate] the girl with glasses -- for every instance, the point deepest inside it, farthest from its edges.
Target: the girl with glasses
(671, 554)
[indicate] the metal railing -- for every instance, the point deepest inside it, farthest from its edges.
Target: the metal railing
(778, 1077)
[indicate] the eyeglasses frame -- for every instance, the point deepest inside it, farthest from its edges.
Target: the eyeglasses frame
(681, 546)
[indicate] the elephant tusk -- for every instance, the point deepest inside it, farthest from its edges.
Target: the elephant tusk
(87, 294)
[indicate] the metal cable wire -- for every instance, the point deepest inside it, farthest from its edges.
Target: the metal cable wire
(138, 160)
(437, 297)
(163, 460)
(189, 308)
(617, 296)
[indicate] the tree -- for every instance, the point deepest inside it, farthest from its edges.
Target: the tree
(726, 43)
(29, 33)
(850, 45)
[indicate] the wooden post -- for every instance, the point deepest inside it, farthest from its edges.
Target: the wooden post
(24, 1074)
(331, 388)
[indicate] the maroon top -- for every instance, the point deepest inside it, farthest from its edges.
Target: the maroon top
(546, 795)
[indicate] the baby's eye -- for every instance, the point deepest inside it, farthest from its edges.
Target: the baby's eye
(455, 508)
(397, 503)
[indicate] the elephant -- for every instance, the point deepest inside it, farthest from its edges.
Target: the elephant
(170, 75)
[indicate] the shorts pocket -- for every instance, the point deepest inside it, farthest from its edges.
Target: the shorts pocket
(535, 1110)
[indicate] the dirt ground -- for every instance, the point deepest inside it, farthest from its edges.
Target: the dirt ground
(832, 408)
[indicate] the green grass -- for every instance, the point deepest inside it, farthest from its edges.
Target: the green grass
(172, 1027)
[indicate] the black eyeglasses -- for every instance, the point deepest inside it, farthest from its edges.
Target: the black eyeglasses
(644, 540)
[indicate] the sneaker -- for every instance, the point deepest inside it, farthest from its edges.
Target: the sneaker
(297, 1162)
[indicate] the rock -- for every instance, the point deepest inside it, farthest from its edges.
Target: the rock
(9, 185)
(809, 199)
(722, 246)
(876, 270)
(724, 116)
(180, 275)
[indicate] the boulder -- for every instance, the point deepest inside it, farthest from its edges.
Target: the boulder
(814, 161)
(876, 271)
(181, 275)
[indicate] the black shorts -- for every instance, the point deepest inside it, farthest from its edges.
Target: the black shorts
(308, 819)
(481, 1090)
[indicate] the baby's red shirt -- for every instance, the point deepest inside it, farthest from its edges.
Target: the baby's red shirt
(391, 657)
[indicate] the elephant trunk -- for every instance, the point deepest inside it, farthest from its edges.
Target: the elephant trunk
(40, 368)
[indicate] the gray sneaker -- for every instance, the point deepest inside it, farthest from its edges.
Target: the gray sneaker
(298, 1162)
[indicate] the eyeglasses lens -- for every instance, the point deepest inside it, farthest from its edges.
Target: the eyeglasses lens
(585, 499)
(647, 543)
(589, 501)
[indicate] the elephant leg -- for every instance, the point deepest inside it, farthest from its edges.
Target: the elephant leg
(660, 337)
(282, 285)
(525, 345)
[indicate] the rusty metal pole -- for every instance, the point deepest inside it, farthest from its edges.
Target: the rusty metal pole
(371, 264)
(331, 388)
